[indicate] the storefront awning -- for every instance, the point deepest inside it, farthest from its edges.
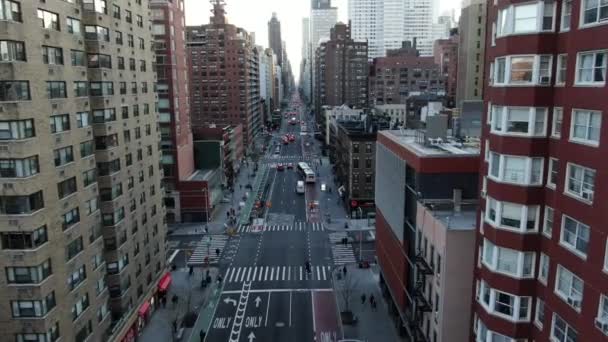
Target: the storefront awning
(164, 282)
(145, 307)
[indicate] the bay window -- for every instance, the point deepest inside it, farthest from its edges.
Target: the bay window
(569, 287)
(29, 274)
(512, 216)
(19, 168)
(539, 313)
(505, 305)
(562, 67)
(515, 170)
(566, 15)
(19, 129)
(527, 121)
(526, 18)
(483, 334)
(543, 268)
(561, 331)
(575, 236)
(594, 12)
(510, 262)
(11, 50)
(523, 70)
(556, 126)
(33, 308)
(601, 321)
(548, 223)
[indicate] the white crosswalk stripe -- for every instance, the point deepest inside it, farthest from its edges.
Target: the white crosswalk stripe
(206, 249)
(276, 273)
(343, 254)
(337, 237)
(296, 227)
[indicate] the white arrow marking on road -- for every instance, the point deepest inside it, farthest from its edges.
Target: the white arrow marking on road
(257, 301)
(230, 300)
(251, 336)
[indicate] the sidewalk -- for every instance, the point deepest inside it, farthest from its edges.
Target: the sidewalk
(372, 325)
(160, 325)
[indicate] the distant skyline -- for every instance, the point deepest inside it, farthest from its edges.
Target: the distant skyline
(254, 17)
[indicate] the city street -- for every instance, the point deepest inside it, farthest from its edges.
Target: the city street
(268, 294)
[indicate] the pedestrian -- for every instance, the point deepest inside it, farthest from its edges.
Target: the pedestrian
(219, 278)
(241, 186)
(363, 298)
(372, 300)
(344, 270)
(217, 252)
(202, 334)
(227, 214)
(374, 305)
(191, 271)
(206, 229)
(174, 325)
(174, 299)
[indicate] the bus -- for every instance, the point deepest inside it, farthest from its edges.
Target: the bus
(307, 172)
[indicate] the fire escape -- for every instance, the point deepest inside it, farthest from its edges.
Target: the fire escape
(421, 304)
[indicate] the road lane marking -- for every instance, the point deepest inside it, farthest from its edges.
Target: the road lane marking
(271, 273)
(318, 273)
(280, 290)
(289, 273)
(324, 275)
(255, 271)
(290, 308)
(283, 273)
(300, 272)
(266, 274)
(238, 271)
(248, 273)
(267, 307)
(243, 275)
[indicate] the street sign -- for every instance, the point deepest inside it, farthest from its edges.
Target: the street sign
(353, 203)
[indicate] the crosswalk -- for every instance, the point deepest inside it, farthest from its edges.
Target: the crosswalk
(343, 254)
(296, 227)
(337, 237)
(276, 273)
(206, 248)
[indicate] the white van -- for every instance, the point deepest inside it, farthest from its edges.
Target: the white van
(300, 187)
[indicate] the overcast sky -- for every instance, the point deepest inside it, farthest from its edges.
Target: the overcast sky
(253, 15)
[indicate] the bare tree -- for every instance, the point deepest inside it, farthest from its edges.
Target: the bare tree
(346, 288)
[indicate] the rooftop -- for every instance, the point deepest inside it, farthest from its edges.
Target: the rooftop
(202, 175)
(415, 141)
(465, 219)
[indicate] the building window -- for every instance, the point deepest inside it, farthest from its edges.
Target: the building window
(503, 304)
(70, 218)
(566, 15)
(562, 331)
(594, 12)
(10, 10)
(92, 32)
(543, 268)
(539, 313)
(513, 263)
(16, 130)
(83, 119)
(10, 50)
(562, 65)
(24, 240)
(591, 68)
(87, 148)
(73, 248)
(60, 123)
(526, 18)
(77, 277)
(527, 121)
(91, 206)
(13, 91)
(99, 6)
(516, 170)
(52, 55)
(19, 168)
(79, 307)
(548, 223)
(556, 127)
(66, 187)
(512, 216)
(29, 274)
(48, 20)
(528, 70)
(73, 26)
(580, 182)
(98, 60)
(21, 205)
(585, 127)
(575, 236)
(78, 58)
(101, 88)
(81, 89)
(569, 287)
(63, 156)
(33, 308)
(104, 115)
(56, 90)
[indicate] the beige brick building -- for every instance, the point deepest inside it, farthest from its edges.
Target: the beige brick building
(81, 216)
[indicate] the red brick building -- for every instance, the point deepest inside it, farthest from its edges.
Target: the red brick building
(542, 266)
(403, 73)
(224, 76)
(445, 52)
(412, 169)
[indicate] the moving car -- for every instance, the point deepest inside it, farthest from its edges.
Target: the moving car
(280, 167)
(290, 166)
(300, 187)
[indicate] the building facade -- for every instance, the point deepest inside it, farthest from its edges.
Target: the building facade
(471, 52)
(446, 56)
(542, 261)
(168, 27)
(341, 71)
(224, 80)
(323, 17)
(81, 213)
(415, 167)
(402, 73)
(274, 37)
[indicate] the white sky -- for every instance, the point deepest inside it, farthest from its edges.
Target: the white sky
(253, 15)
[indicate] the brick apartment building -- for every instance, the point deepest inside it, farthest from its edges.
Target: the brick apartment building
(224, 75)
(542, 260)
(445, 52)
(340, 71)
(81, 213)
(403, 73)
(417, 175)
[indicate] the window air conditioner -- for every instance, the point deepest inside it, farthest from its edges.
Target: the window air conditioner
(588, 194)
(602, 324)
(545, 79)
(575, 302)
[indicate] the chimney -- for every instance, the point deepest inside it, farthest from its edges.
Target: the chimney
(457, 200)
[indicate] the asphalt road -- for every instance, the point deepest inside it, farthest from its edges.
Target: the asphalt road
(267, 293)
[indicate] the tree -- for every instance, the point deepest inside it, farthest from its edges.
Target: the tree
(346, 288)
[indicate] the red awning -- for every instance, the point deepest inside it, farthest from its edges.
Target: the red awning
(145, 307)
(164, 282)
